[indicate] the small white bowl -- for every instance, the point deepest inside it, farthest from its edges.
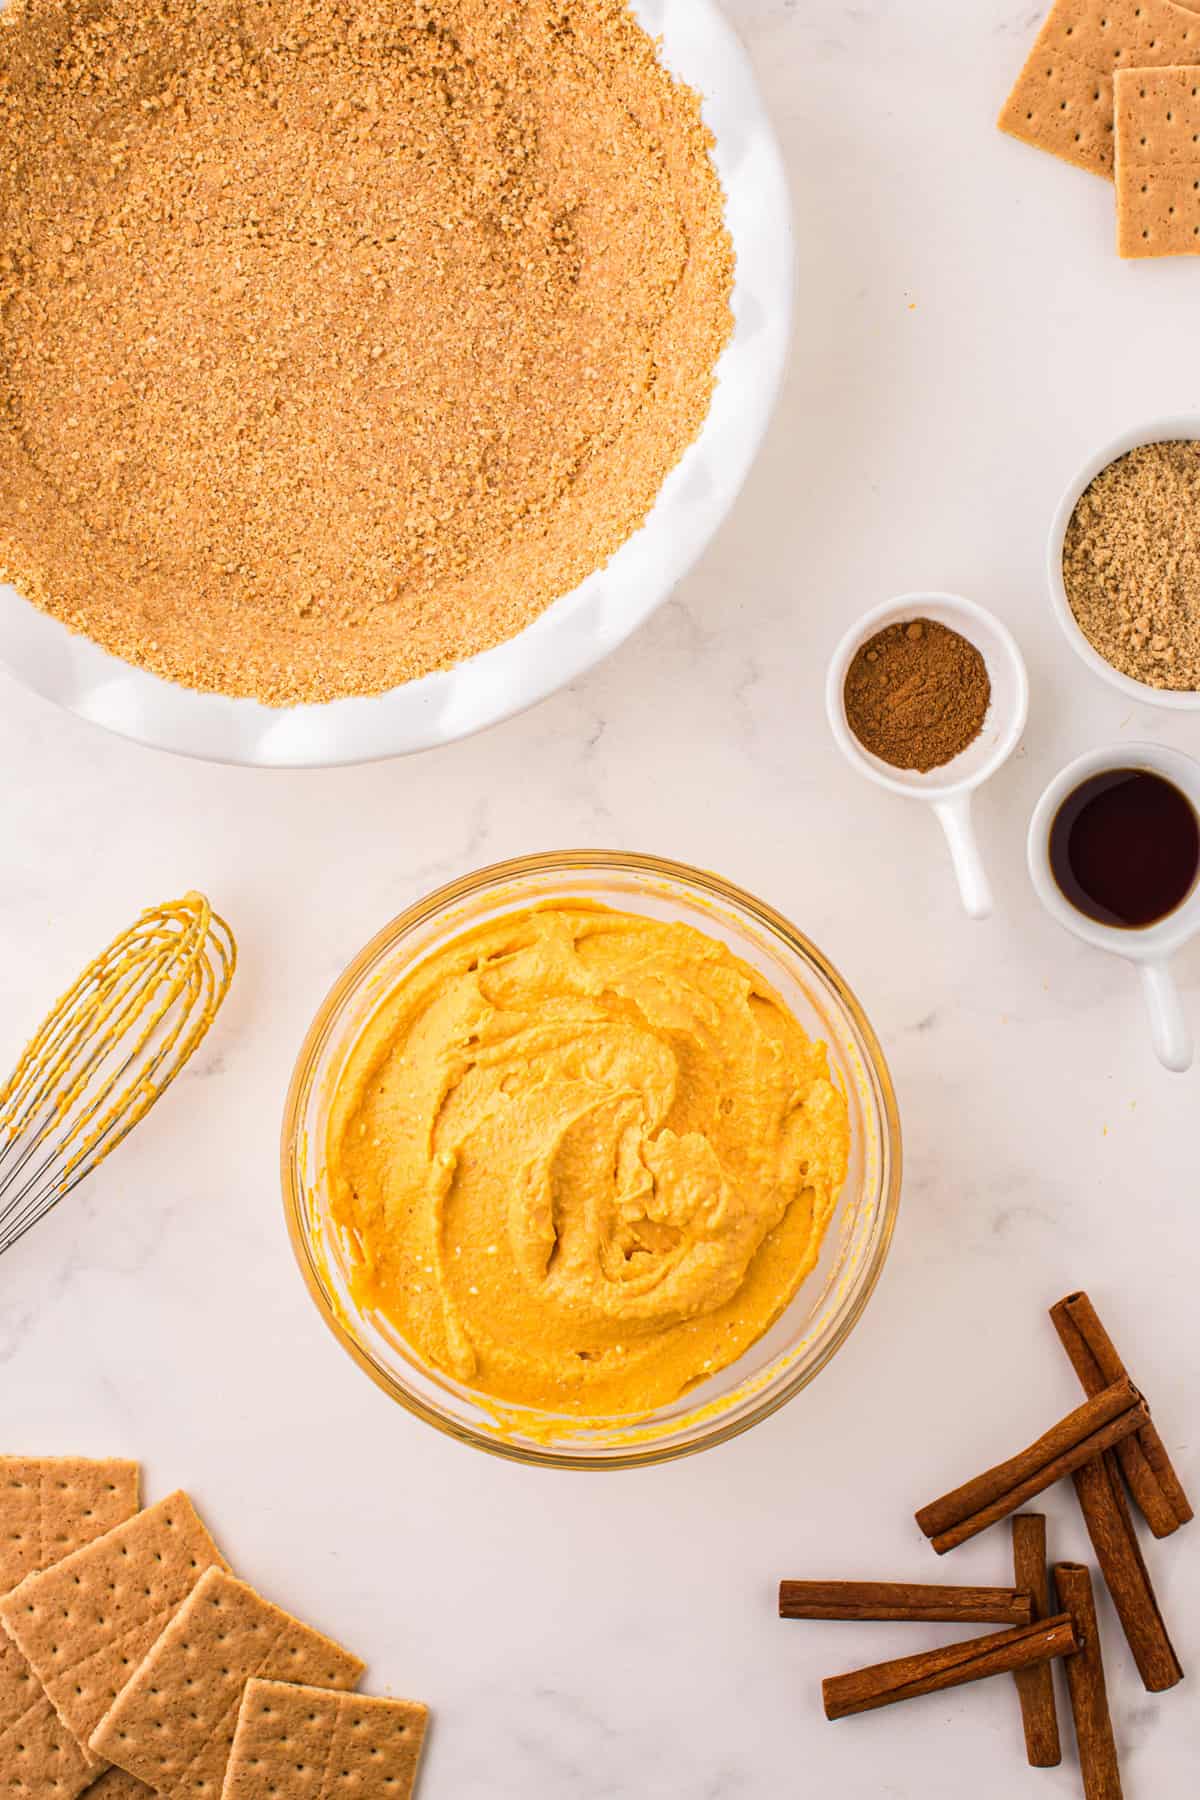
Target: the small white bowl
(1157, 431)
(948, 789)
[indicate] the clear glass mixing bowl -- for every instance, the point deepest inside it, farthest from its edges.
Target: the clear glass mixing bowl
(829, 1303)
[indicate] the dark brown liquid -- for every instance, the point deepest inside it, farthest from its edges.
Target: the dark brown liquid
(1125, 847)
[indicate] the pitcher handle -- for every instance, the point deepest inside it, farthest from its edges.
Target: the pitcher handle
(1168, 1025)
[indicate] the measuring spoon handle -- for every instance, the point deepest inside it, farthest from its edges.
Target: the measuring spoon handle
(973, 883)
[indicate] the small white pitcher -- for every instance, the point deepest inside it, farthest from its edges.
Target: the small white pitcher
(1151, 947)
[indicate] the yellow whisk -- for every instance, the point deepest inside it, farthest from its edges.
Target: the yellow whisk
(111, 1046)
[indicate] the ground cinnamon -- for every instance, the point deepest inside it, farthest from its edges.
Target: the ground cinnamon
(917, 695)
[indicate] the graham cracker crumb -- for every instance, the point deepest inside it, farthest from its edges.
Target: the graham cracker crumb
(340, 337)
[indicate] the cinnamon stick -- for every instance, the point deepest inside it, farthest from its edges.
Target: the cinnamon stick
(904, 1600)
(999, 1653)
(1035, 1685)
(1097, 1425)
(1085, 1683)
(1114, 1539)
(1147, 1468)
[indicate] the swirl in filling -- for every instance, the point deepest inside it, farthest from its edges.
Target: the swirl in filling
(584, 1159)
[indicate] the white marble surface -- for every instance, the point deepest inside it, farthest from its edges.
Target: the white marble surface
(966, 336)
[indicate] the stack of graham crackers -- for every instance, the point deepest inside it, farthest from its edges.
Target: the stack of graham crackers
(1114, 86)
(132, 1659)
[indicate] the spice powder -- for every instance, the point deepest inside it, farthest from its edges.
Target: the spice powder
(917, 695)
(340, 337)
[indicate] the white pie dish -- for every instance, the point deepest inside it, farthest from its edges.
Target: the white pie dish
(582, 627)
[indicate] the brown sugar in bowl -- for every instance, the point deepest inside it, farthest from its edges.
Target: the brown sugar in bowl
(1179, 428)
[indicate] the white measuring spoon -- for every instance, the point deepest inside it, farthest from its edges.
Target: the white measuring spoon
(948, 789)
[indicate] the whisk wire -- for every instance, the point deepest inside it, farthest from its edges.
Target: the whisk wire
(85, 1010)
(107, 1052)
(51, 1062)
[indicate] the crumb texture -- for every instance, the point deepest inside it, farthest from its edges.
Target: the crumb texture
(339, 338)
(1131, 564)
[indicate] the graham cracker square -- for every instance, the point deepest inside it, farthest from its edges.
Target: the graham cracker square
(85, 1624)
(1158, 162)
(117, 1785)
(173, 1723)
(307, 1744)
(39, 1757)
(52, 1505)
(1063, 99)
(49, 1507)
